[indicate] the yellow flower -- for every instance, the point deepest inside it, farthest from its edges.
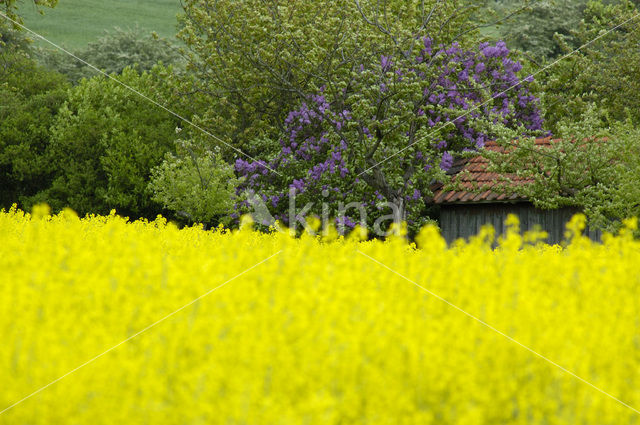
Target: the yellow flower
(255, 328)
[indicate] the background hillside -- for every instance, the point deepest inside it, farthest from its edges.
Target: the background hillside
(74, 23)
(245, 70)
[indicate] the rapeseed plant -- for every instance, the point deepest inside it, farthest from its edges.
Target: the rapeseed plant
(317, 334)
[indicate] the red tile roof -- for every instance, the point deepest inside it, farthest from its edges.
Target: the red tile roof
(478, 182)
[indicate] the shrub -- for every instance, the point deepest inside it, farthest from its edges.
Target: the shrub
(392, 132)
(198, 186)
(31, 98)
(112, 53)
(604, 72)
(105, 141)
(255, 61)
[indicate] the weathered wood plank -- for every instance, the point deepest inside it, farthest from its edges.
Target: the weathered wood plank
(465, 220)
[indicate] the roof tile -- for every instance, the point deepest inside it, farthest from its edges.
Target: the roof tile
(477, 176)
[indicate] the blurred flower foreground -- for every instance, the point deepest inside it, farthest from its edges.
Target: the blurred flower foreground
(316, 334)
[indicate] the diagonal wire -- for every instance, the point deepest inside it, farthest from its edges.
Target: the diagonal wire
(482, 322)
(135, 335)
(156, 103)
(499, 94)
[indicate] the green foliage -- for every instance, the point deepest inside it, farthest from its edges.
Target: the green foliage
(104, 143)
(584, 168)
(540, 29)
(112, 53)
(12, 39)
(9, 7)
(591, 104)
(254, 61)
(535, 26)
(198, 186)
(11, 36)
(605, 73)
(31, 97)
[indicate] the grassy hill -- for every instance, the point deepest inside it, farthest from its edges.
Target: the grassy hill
(74, 23)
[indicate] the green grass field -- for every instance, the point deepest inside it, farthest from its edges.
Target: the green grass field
(74, 23)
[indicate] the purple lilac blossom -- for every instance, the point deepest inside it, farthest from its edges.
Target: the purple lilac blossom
(319, 135)
(447, 161)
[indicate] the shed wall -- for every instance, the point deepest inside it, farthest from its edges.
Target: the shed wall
(465, 220)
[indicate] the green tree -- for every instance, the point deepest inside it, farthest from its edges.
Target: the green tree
(31, 97)
(606, 72)
(104, 143)
(538, 27)
(112, 53)
(584, 168)
(10, 35)
(253, 61)
(10, 7)
(12, 39)
(197, 185)
(393, 133)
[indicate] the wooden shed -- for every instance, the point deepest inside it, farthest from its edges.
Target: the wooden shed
(463, 212)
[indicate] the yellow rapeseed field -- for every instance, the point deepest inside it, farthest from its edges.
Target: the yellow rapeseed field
(310, 331)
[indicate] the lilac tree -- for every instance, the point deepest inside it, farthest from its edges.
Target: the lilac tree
(392, 129)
